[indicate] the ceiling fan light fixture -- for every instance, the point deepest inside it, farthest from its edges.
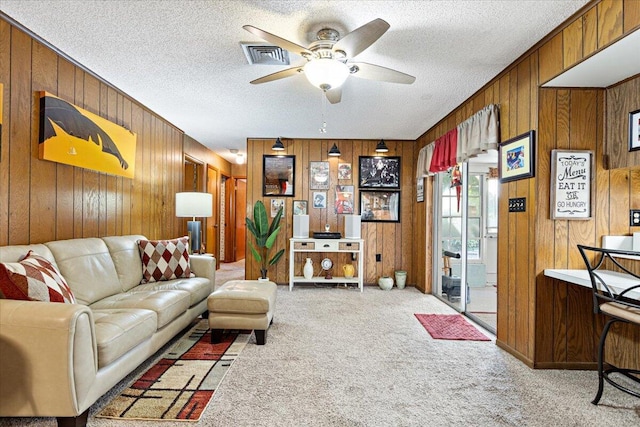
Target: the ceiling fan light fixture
(334, 152)
(278, 146)
(381, 147)
(326, 73)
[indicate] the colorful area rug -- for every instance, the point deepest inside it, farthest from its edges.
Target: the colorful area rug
(181, 384)
(450, 327)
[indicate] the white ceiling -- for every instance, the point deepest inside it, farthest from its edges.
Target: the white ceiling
(183, 59)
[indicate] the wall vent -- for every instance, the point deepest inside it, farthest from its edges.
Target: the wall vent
(264, 54)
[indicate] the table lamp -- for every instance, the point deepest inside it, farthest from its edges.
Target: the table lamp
(192, 204)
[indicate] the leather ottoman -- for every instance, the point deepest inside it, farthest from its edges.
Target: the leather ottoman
(242, 304)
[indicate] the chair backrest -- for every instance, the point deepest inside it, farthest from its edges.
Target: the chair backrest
(605, 267)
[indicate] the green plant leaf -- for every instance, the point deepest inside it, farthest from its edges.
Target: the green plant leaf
(276, 257)
(276, 221)
(260, 219)
(255, 253)
(251, 226)
(272, 238)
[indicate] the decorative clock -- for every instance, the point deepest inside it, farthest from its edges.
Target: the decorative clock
(327, 264)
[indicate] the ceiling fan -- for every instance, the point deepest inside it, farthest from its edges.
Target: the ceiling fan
(328, 58)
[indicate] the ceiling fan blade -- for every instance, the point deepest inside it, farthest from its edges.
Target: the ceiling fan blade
(278, 41)
(361, 38)
(334, 95)
(376, 72)
(278, 75)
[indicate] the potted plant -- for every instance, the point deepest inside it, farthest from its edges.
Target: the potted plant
(265, 235)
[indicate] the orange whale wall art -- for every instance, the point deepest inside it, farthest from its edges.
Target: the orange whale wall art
(74, 136)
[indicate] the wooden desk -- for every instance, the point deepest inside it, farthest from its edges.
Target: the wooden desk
(617, 281)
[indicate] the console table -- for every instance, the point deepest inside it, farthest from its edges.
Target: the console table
(353, 246)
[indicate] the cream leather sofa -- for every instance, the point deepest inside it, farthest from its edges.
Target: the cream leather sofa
(57, 359)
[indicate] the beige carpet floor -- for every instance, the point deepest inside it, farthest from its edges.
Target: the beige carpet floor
(338, 357)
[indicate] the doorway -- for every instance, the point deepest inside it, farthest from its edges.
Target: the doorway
(466, 239)
(212, 227)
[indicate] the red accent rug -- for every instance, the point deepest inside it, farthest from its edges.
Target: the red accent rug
(181, 384)
(450, 327)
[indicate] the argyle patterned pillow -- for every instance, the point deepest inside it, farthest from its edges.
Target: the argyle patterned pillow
(34, 279)
(164, 259)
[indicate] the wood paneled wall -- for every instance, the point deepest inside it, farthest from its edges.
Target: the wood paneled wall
(394, 241)
(523, 238)
(41, 200)
(621, 100)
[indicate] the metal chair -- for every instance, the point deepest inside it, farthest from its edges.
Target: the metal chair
(614, 304)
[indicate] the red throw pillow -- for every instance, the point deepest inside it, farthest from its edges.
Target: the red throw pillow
(34, 279)
(164, 259)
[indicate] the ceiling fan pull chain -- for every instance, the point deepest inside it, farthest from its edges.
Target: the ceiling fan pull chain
(323, 100)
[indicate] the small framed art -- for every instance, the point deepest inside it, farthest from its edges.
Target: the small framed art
(319, 175)
(344, 199)
(571, 189)
(344, 170)
(276, 204)
(634, 130)
(515, 157)
(299, 207)
(320, 199)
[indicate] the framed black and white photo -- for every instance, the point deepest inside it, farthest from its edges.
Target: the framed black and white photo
(515, 157)
(379, 206)
(319, 175)
(571, 189)
(320, 199)
(278, 175)
(379, 172)
(634, 130)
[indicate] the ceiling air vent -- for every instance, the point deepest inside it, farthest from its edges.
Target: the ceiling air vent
(264, 54)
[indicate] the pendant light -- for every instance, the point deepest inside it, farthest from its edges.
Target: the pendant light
(381, 147)
(278, 146)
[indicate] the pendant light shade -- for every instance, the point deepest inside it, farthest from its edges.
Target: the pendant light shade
(381, 147)
(278, 146)
(334, 152)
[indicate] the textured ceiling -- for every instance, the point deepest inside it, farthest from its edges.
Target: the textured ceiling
(183, 59)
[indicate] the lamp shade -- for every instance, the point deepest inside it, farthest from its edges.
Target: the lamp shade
(334, 152)
(192, 204)
(381, 147)
(326, 73)
(278, 145)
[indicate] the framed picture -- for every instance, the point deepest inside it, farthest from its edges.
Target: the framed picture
(276, 204)
(380, 206)
(299, 207)
(379, 172)
(344, 199)
(571, 179)
(320, 199)
(634, 130)
(344, 170)
(278, 175)
(319, 175)
(515, 157)
(420, 190)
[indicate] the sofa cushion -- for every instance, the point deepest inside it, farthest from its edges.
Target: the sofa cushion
(168, 305)
(164, 259)
(87, 266)
(120, 330)
(33, 279)
(126, 258)
(199, 288)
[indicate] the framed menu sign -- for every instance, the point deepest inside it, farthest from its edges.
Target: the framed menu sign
(571, 184)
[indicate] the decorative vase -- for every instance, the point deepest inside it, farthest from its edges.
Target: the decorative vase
(385, 283)
(260, 279)
(348, 271)
(307, 270)
(401, 279)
